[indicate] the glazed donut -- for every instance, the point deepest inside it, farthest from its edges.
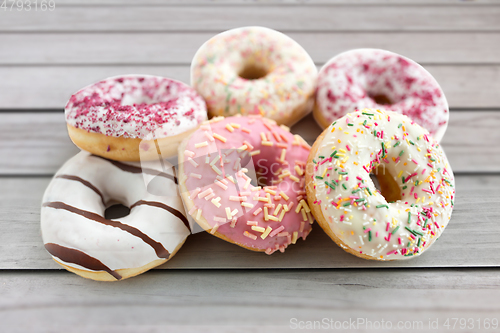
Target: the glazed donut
(373, 78)
(110, 118)
(255, 70)
(417, 185)
(216, 171)
(80, 239)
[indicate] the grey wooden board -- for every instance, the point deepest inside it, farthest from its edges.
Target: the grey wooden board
(470, 240)
(38, 143)
(275, 2)
(465, 86)
(179, 48)
(247, 301)
(216, 18)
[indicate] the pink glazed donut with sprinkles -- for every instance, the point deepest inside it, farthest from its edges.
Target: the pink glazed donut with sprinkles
(255, 70)
(373, 78)
(133, 117)
(242, 180)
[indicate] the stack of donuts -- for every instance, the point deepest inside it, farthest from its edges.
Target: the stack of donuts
(220, 153)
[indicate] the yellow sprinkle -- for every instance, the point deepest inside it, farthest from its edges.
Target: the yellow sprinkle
(235, 125)
(299, 170)
(216, 202)
(228, 213)
(267, 143)
(201, 144)
(400, 173)
(198, 215)
(295, 179)
(255, 152)
(295, 235)
(266, 214)
(257, 228)
(219, 137)
(277, 210)
(283, 213)
(272, 218)
(266, 233)
(229, 128)
(284, 196)
(304, 204)
(304, 216)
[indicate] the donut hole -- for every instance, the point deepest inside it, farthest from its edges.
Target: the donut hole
(116, 211)
(253, 71)
(381, 99)
(385, 184)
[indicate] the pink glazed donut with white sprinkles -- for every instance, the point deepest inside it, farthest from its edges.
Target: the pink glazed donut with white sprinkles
(379, 79)
(242, 179)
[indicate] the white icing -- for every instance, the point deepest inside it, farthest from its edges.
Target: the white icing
(346, 82)
(351, 223)
(290, 81)
(114, 247)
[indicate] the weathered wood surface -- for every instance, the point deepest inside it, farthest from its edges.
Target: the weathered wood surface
(317, 17)
(470, 240)
(38, 144)
(39, 87)
(247, 301)
(167, 48)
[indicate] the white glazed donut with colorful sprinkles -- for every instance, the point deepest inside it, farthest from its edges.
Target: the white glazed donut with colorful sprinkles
(255, 70)
(133, 117)
(219, 162)
(79, 237)
(417, 185)
(374, 78)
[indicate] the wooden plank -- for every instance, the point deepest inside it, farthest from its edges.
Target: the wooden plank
(42, 137)
(471, 239)
(249, 301)
(34, 87)
(272, 2)
(179, 48)
(215, 18)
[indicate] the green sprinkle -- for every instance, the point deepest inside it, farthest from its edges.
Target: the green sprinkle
(364, 123)
(343, 173)
(315, 161)
(401, 153)
(432, 159)
(375, 133)
(381, 206)
(383, 150)
(334, 123)
(425, 223)
(411, 142)
(418, 138)
(367, 114)
(369, 236)
(321, 156)
(369, 191)
(346, 204)
(345, 187)
(409, 217)
(350, 124)
(331, 155)
(409, 254)
(415, 232)
(355, 191)
(412, 231)
(405, 187)
(359, 200)
(419, 239)
(403, 179)
(319, 177)
(397, 143)
(452, 203)
(399, 126)
(408, 245)
(330, 185)
(394, 231)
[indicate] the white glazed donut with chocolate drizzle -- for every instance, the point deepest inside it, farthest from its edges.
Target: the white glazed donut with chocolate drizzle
(78, 236)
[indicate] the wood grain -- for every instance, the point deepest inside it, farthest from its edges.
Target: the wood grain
(471, 239)
(38, 143)
(321, 17)
(38, 87)
(245, 301)
(179, 48)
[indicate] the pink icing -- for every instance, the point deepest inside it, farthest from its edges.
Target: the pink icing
(350, 80)
(249, 221)
(135, 106)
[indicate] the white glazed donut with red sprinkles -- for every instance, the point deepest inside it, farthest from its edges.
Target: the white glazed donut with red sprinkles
(112, 117)
(217, 165)
(374, 78)
(415, 201)
(255, 70)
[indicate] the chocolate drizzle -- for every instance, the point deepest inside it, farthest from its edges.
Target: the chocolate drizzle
(134, 169)
(78, 257)
(161, 252)
(172, 210)
(84, 182)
